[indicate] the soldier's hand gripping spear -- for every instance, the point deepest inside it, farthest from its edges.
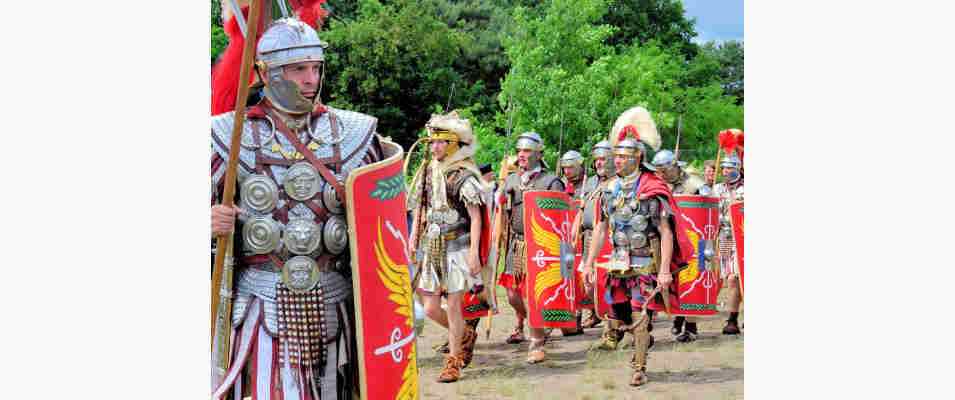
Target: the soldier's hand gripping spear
(223, 267)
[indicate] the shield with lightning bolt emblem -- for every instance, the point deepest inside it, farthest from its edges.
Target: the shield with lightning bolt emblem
(698, 284)
(384, 309)
(549, 292)
(736, 220)
(584, 299)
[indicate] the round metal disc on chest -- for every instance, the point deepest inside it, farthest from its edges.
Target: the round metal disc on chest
(259, 193)
(330, 199)
(450, 216)
(300, 274)
(261, 235)
(302, 181)
(639, 222)
(302, 236)
(623, 213)
(638, 240)
(620, 238)
(335, 235)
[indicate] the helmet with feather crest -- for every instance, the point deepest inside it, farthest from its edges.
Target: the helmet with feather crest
(634, 135)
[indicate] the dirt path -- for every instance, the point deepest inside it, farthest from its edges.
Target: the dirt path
(710, 368)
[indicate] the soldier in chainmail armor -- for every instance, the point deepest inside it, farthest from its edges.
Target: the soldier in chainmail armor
(293, 312)
(447, 196)
(532, 174)
(584, 222)
(638, 211)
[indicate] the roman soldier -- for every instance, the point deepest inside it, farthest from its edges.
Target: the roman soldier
(447, 196)
(531, 174)
(680, 182)
(293, 312)
(730, 191)
(674, 173)
(638, 211)
(584, 222)
(570, 168)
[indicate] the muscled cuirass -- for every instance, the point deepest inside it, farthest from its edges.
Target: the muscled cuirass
(294, 230)
(633, 227)
(514, 189)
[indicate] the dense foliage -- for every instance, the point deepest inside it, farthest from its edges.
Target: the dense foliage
(565, 69)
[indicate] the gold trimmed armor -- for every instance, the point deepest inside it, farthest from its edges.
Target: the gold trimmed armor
(292, 258)
(441, 192)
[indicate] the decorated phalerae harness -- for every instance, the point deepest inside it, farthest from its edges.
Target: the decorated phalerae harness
(632, 220)
(294, 231)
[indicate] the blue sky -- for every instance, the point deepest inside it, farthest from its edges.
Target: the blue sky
(716, 19)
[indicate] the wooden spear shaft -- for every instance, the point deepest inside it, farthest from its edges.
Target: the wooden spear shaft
(224, 243)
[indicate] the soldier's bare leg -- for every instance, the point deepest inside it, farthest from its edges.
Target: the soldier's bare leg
(732, 305)
(454, 362)
(536, 350)
(456, 321)
(641, 345)
(432, 308)
(517, 302)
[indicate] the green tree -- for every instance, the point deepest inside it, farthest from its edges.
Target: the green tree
(569, 83)
(395, 61)
(219, 38)
(729, 58)
(642, 21)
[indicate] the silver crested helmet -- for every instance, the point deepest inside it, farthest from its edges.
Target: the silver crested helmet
(665, 162)
(664, 158)
(287, 41)
(572, 159)
(603, 150)
(630, 149)
(732, 162)
(531, 141)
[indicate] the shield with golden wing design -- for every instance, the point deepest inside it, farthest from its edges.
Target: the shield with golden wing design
(698, 284)
(550, 288)
(384, 319)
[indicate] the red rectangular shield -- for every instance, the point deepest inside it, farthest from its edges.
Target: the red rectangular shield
(549, 296)
(698, 284)
(601, 296)
(382, 283)
(736, 220)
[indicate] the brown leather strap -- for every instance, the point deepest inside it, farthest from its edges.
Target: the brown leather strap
(322, 169)
(258, 147)
(333, 122)
(319, 211)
